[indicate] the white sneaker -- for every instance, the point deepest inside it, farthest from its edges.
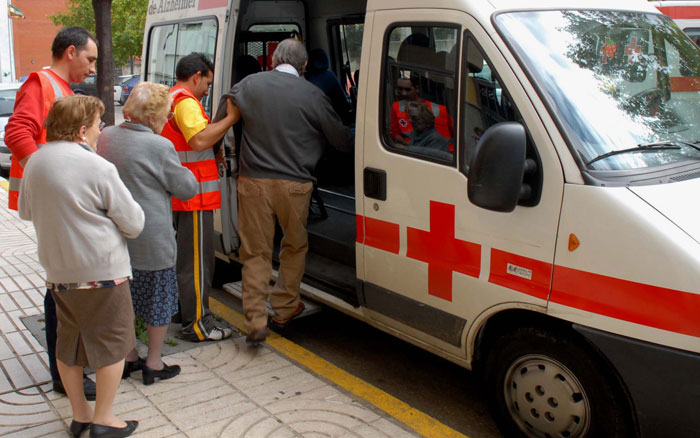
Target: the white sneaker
(219, 333)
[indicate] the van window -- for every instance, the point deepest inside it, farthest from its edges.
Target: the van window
(623, 86)
(168, 43)
(485, 102)
(419, 91)
(261, 40)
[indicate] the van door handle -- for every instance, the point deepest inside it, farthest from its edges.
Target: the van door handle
(375, 183)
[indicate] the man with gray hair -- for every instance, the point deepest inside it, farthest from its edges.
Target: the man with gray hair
(287, 123)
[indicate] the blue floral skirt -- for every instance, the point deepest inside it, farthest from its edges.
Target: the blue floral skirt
(154, 294)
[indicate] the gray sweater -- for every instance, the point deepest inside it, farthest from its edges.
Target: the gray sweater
(81, 212)
(150, 168)
(288, 122)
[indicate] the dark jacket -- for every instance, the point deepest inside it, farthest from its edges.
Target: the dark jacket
(318, 73)
(287, 123)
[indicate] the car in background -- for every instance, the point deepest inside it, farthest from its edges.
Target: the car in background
(87, 87)
(7, 106)
(118, 87)
(127, 86)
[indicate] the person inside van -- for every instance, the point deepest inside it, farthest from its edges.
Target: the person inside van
(408, 89)
(318, 73)
(424, 139)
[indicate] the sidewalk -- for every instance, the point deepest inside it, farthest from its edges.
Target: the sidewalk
(225, 389)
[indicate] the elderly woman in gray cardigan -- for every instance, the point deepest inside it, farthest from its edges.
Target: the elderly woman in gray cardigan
(151, 170)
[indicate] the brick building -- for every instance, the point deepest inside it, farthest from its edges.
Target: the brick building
(33, 34)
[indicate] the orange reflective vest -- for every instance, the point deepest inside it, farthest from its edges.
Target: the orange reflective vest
(51, 90)
(201, 164)
(401, 124)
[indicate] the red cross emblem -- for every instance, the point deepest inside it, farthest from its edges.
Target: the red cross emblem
(633, 50)
(403, 123)
(442, 252)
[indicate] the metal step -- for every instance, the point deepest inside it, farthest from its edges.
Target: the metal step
(236, 290)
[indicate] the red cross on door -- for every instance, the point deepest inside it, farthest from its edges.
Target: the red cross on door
(442, 252)
(633, 50)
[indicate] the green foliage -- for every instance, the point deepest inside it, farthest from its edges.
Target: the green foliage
(141, 333)
(128, 21)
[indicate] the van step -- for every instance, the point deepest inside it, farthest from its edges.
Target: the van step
(236, 290)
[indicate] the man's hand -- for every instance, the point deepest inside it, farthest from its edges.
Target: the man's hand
(221, 157)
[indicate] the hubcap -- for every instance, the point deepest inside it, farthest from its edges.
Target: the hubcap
(545, 398)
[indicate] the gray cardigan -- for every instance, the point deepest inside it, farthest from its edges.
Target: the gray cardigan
(288, 122)
(150, 168)
(82, 213)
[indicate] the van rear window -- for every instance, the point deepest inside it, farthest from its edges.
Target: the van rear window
(170, 42)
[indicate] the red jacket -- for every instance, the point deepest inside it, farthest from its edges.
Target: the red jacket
(401, 124)
(25, 129)
(201, 164)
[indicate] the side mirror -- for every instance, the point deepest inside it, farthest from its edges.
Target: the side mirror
(497, 169)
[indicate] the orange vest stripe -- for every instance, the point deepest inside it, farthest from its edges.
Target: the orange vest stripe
(202, 164)
(51, 91)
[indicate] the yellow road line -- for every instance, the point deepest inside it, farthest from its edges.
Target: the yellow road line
(4, 184)
(413, 418)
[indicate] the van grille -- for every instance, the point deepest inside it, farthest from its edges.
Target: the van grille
(686, 176)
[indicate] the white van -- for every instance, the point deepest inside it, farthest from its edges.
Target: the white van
(686, 14)
(556, 247)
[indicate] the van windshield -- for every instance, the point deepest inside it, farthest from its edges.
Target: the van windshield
(624, 86)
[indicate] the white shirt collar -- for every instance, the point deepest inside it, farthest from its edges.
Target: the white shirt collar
(287, 68)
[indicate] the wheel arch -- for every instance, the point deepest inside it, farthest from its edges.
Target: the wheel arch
(502, 321)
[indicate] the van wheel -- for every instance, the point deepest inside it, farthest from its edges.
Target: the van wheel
(545, 385)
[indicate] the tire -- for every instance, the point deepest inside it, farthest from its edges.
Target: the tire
(543, 384)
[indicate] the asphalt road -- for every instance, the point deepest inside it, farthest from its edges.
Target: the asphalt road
(426, 382)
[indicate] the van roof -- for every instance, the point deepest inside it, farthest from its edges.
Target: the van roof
(487, 7)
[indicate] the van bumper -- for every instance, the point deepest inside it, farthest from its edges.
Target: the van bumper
(664, 383)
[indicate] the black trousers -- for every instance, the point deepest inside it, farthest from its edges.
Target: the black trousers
(195, 270)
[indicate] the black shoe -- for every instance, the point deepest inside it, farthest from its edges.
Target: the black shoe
(100, 431)
(76, 428)
(149, 375)
(130, 367)
(89, 388)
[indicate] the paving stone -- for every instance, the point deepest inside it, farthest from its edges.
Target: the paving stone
(10, 271)
(36, 279)
(391, 429)
(294, 406)
(6, 283)
(38, 431)
(36, 296)
(17, 374)
(214, 410)
(32, 341)
(18, 343)
(14, 317)
(196, 398)
(289, 387)
(6, 325)
(179, 392)
(7, 302)
(272, 376)
(37, 369)
(166, 430)
(21, 280)
(5, 350)
(5, 384)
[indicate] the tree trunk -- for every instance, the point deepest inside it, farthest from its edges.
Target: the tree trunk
(105, 59)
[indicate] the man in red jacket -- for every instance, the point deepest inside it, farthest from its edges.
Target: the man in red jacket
(74, 52)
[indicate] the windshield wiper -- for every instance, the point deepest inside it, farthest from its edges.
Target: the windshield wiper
(657, 146)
